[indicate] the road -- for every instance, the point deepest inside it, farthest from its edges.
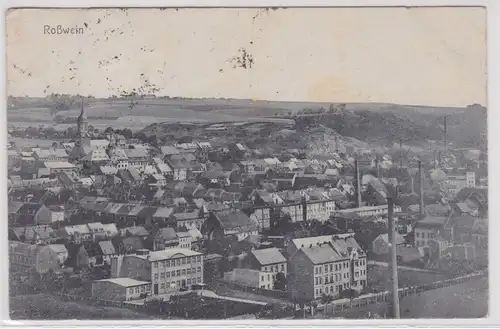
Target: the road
(466, 300)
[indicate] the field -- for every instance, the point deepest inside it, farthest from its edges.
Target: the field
(49, 307)
(378, 277)
(466, 300)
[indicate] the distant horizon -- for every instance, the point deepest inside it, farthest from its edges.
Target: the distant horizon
(139, 97)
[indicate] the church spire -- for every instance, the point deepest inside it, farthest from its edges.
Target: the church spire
(81, 122)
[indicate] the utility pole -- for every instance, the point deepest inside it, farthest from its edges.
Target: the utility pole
(393, 261)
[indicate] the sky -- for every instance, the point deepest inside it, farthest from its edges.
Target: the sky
(421, 56)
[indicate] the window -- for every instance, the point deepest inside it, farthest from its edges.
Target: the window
(184, 272)
(178, 272)
(188, 281)
(168, 274)
(317, 292)
(162, 286)
(326, 280)
(162, 275)
(331, 267)
(188, 271)
(326, 268)
(262, 278)
(156, 276)
(136, 290)
(198, 269)
(198, 259)
(265, 268)
(173, 273)
(161, 264)
(198, 280)
(417, 234)
(130, 290)
(320, 291)
(277, 268)
(155, 265)
(282, 267)
(184, 261)
(178, 262)
(168, 263)
(189, 260)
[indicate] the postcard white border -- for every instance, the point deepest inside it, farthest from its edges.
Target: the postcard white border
(493, 36)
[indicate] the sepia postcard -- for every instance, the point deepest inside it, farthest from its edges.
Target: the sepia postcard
(247, 163)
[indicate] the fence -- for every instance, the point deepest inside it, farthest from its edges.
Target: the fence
(339, 305)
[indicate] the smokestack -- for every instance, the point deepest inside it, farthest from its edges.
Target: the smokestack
(393, 260)
(304, 209)
(439, 158)
(434, 159)
(358, 184)
(421, 189)
(445, 132)
(401, 153)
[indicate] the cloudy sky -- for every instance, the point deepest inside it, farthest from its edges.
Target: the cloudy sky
(427, 56)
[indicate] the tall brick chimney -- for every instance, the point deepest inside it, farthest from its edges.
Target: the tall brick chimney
(358, 184)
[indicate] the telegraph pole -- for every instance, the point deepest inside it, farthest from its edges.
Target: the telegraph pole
(393, 261)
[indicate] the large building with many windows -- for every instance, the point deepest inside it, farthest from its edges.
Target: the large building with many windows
(168, 270)
(327, 266)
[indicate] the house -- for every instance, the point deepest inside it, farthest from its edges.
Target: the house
(97, 231)
(180, 169)
(89, 255)
(380, 246)
(38, 234)
(49, 215)
(164, 238)
(229, 224)
(318, 270)
(118, 158)
(188, 220)
(74, 233)
(168, 270)
(347, 257)
(52, 154)
(250, 278)
(428, 229)
(157, 180)
(107, 250)
(268, 260)
(37, 258)
(128, 245)
(262, 216)
(185, 239)
(14, 213)
(54, 167)
(137, 157)
(110, 229)
(120, 289)
(162, 214)
(247, 166)
(138, 231)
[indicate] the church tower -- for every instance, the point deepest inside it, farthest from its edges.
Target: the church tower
(82, 123)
